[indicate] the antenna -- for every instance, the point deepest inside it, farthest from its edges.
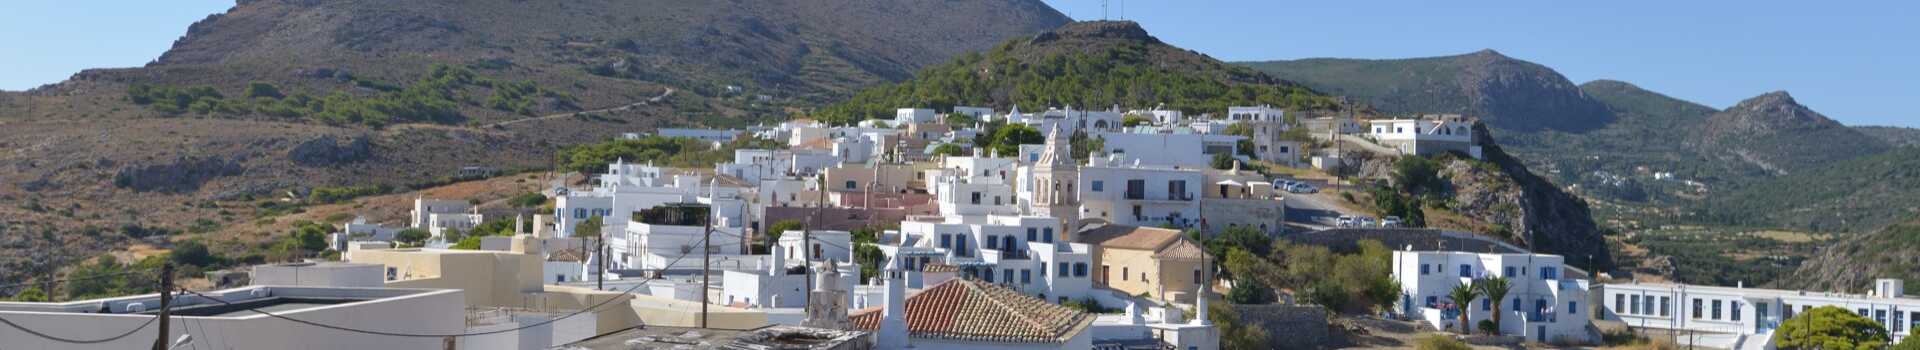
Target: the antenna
(1103, 9)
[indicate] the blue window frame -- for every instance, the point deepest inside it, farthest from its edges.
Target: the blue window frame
(579, 213)
(1508, 272)
(1079, 269)
(1466, 270)
(1423, 269)
(1061, 270)
(1046, 235)
(1026, 276)
(1433, 300)
(1573, 308)
(1033, 234)
(992, 243)
(1009, 273)
(1486, 304)
(1549, 273)
(946, 241)
(1099, 185)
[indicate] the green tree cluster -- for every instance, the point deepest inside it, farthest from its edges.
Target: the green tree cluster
(1831, 328)
(330, 195)
(1124, 74)
(435, 98)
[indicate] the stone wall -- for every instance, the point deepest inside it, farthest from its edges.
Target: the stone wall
(1289, 326)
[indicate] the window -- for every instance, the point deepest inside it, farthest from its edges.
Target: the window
(1486, 304)
(1046, 235)
(996, 200)
(562, 278)
(1026, 276)
(1716, 309)
(993, 243)
(1079, 270)
(1635, 307)
(960, 246)
(1880, 316)
(1061, 270)
(1549, 273)
(1009, 273)
(1696, 308)
(1033, 234)
(1177, 189)
(1665, 303)
(1466, 270)
(1123, 273)
(1516, 305)
(1143, 278)
(1913, 320)
(1573, 307)
(1196, 275)
(1620, 303)
(579, 213)
(976, 198)
(852, 185)
(1106, 273)
(1647, 305)
(1761, 310)
(1433, 300)
(1507, 272)
(1099, 185)
(1423, 269)
(1899, 322)
(1786, 311)
(946, 241)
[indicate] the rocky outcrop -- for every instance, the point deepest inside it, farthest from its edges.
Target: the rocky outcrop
(1852, 264)
(183, 174)
(1776, 133)
(330, 150)
(1509, 93)
(1541, 214)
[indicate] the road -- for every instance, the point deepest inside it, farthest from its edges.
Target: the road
(1316, 211)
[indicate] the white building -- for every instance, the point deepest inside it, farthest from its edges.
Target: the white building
(441, 224)
(1262, 113)
(1745, 318)
(906, 116)
(1426, 135)
(1140, 195)
(1030, 254)
(711, 135)
(210, 323)
(975, 112)
(1185, 150)
(423, 210)
(1543, 303)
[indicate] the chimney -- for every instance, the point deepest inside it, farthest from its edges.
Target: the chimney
(893, 324)
(1889, 287)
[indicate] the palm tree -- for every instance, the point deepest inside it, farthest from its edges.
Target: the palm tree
(1462, 295)
(1495, 288)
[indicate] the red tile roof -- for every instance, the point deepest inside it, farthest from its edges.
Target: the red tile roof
(975, 311)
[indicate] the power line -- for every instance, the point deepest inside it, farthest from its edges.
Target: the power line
(629, 290)
(129, 332)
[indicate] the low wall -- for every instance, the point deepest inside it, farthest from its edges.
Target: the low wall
(1290, 326)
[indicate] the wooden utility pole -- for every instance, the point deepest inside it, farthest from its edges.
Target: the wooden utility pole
(706, 259)
(166, 301)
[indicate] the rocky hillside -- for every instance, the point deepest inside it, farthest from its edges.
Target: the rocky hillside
(1897, 136)
(1853, 264)
(1776, 133)
(1507, 93)
(1092, 65)
(256, 107)
(1536, 211)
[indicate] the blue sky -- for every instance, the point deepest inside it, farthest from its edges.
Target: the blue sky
(1858, 62)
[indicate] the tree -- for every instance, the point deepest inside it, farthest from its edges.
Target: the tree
(527, 200)
(1831, 328)
(1234, 332)
(1910, 343)
(949, 150)
(192, 253)
(1462, 296)
(1223, 161)
(1384, 290)
(31, 294)
(589, 229)
(260, 89)
(1246, 270)
(1416, 174)
(469, 243)
(412, 237)
(780, 227)
(1132, 120)
(1007, 139)
(1495, 289)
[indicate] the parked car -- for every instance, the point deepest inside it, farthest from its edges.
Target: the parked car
(1303, 188)
(1390, 221)
(1365, 221)
(1344, 221)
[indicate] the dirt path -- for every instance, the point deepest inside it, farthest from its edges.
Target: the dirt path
(653, 100)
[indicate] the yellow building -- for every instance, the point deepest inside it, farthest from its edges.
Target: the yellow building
(496, 279)
(1162, 263)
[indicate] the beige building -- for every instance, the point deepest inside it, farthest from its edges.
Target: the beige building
(1162, 263)
(495, 279)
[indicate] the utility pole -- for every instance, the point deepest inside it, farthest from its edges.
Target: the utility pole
(706, 259)
(806, 239)
(166, 301)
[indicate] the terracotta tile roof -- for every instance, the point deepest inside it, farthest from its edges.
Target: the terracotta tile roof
(568, 255)
(937, 267)
(1129, 237)
(974, 311)
(1183, 249)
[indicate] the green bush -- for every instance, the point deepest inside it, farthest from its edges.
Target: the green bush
(1830, 327)
(331, 195)
(1437, 341)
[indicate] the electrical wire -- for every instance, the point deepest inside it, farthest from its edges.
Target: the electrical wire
(629, 290)
(129, 332)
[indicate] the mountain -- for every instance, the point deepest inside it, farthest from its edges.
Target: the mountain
(258, 106)
(1504, 92)
(1776, 133)
(1091, 65)
(1893, 135)
(1853, 195)
(1853, 264)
